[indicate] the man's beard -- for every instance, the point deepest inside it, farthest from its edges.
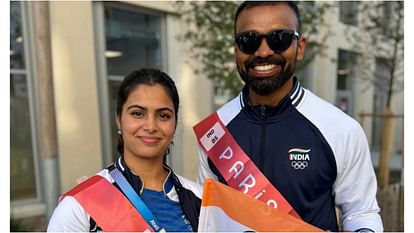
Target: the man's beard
(266, 86)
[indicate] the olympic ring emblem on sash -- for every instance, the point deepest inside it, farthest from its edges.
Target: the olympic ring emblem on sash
(299, 165)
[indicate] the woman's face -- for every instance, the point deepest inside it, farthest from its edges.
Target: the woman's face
(147, 122)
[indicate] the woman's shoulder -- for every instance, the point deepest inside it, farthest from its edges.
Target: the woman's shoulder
(191, 185)
(69, 215)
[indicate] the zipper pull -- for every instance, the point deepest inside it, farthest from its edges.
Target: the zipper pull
(262, 111)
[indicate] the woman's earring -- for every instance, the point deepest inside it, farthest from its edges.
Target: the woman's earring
(119, 131)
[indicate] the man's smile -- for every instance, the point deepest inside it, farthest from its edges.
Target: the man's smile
(265, 70)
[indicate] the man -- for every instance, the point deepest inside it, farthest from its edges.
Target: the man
(316, 156)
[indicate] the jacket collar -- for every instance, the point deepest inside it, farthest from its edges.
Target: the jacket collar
(295, 94)
(136, 181)
(294, 97)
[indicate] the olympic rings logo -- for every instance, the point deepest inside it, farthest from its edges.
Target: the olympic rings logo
(299, 165)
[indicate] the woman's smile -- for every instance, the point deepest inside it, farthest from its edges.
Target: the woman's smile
(150, 140)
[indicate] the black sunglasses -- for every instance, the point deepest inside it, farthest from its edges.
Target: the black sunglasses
(278, 40)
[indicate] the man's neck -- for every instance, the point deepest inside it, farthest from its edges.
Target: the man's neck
(272, 99)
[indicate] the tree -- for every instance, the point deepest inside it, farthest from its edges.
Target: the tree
(211, 34)
(382, 42)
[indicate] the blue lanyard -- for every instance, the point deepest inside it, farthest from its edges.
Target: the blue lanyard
(135, 200)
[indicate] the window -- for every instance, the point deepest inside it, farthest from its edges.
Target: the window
(382, 77)
(345, 78)
(346, 62)
(132, 41)
(386, 19)
(348, 12)
(22, 167)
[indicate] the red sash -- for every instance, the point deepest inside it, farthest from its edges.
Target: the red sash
(235, 165)
(108, 206)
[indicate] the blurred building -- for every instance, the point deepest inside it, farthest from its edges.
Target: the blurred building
(67, 60)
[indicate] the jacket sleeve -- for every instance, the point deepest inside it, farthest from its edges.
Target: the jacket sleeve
(204, 170)
(69, 216)
(355, 187)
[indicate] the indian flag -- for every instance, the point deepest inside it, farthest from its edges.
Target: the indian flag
(225, 209)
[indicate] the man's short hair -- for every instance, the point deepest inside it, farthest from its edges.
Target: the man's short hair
(251, 4)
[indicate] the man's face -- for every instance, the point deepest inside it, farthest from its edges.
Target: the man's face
(266, 71)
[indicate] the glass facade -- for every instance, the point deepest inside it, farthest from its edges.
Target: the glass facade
(22, 169)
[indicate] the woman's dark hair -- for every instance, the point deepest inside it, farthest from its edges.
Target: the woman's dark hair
(148, 77)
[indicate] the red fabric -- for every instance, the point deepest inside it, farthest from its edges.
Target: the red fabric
(110, 209)
(235, 165)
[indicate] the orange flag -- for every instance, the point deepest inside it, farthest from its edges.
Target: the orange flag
(226, 209)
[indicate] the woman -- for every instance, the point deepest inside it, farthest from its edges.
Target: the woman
(146, 117)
